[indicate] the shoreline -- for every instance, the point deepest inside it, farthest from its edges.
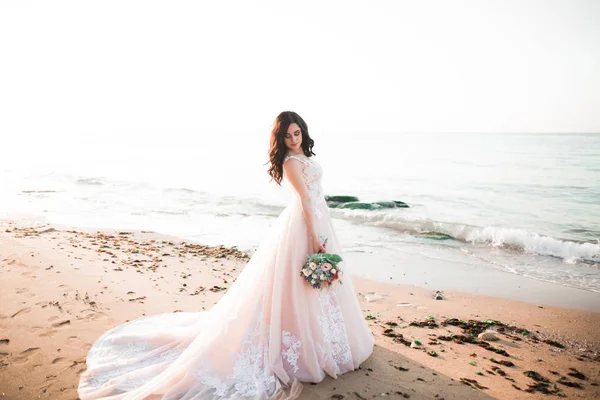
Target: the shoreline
(417, 270)
(410, 269)
(62, 288)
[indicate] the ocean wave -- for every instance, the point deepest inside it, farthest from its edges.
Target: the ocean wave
(507, 238)
(592, 234)
(252, 205)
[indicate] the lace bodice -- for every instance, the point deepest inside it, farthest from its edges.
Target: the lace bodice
(311, 175)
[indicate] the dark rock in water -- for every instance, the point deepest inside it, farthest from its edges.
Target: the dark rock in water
(439, 236)
(433, 236)
(358, 205)
(385, 204)
(355, 205)
(341, 199)
(391, 204)
(352, 203)
(333, 204)
(334, 201)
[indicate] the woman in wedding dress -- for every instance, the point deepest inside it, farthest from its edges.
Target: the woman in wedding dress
(270, 331)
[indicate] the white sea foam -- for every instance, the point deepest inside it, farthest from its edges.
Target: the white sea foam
(500, 237)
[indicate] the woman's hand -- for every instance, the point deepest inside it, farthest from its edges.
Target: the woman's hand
(318, 247)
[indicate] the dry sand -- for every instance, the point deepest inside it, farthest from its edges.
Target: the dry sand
(60, 289)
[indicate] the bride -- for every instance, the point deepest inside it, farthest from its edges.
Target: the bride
(270, 331)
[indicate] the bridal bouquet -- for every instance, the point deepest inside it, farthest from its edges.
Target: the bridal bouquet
(322, 269)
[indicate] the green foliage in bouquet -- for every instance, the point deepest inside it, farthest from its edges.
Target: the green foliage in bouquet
(322, 269)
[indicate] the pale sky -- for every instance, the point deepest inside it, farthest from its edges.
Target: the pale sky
(111, 68)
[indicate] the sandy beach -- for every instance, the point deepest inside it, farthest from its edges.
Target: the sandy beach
(61, 288)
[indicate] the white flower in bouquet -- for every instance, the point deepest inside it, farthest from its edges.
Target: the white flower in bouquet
(333, 271)
(306, 272)
(313, 266)
(323, 277)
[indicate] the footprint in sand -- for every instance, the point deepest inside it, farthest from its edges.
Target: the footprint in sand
(20, 360)
(89, 314)
(25, 292)
(47, 332)
(30, 350)
(74, 341)
(36, 329)
(58, 359)
(14, 262)
(61, 323)
(24, 357)
(22, 311)
(66, 288)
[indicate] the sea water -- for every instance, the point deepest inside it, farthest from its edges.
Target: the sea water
(526, 204)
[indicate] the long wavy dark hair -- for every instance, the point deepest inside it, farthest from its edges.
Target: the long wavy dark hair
(278, 148)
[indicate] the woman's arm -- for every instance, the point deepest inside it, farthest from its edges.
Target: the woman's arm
(293, 171)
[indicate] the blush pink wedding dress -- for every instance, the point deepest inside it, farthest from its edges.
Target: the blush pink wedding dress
(269, 332)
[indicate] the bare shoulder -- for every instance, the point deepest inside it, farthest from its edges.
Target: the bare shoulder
(297, 159)
(292, 164)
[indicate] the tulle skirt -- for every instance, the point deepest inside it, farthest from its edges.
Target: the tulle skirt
(269, 332)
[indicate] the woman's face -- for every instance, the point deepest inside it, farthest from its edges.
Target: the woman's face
(293, 137)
